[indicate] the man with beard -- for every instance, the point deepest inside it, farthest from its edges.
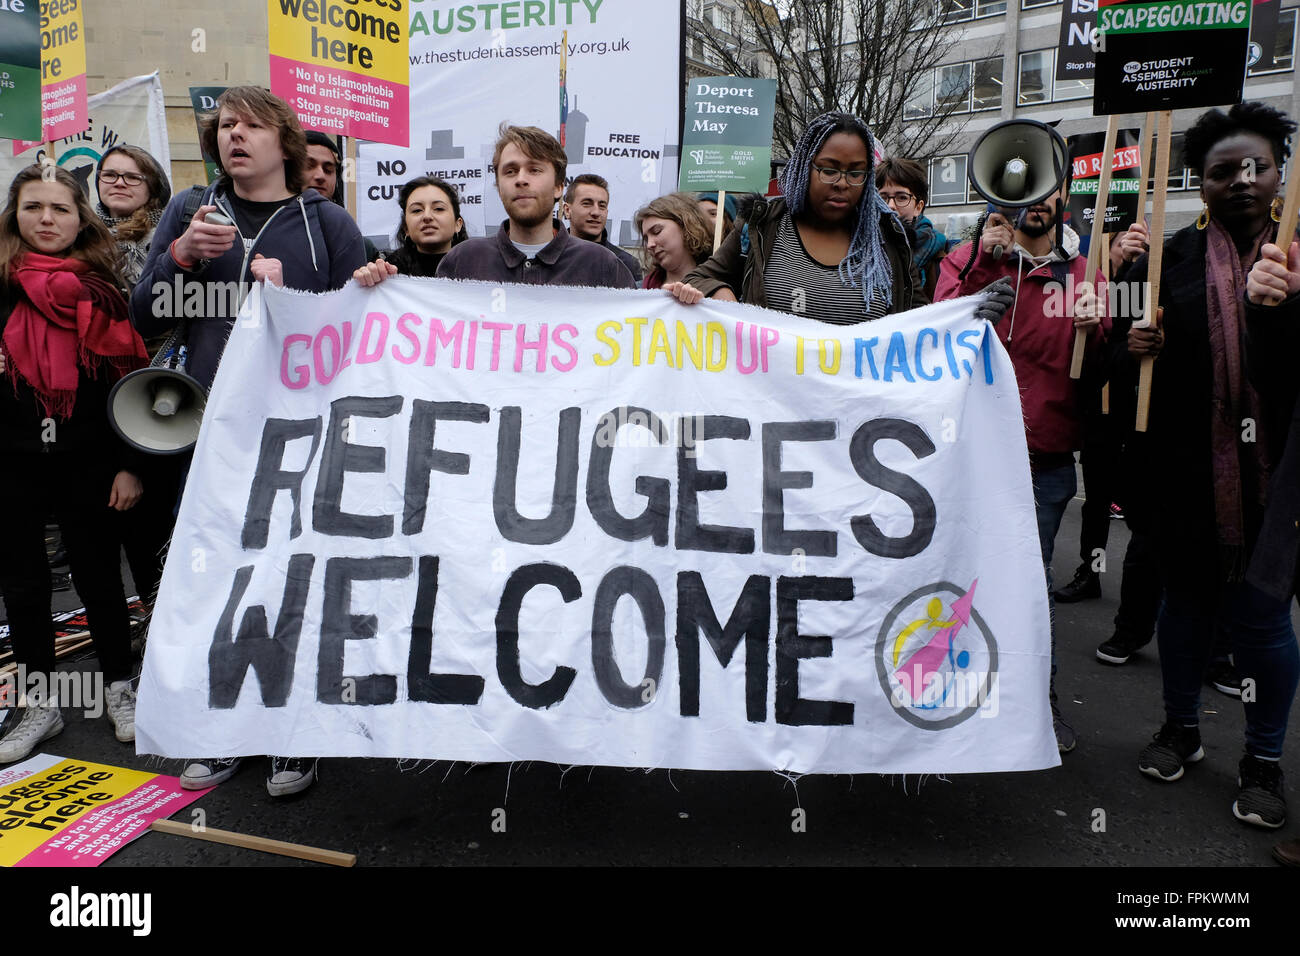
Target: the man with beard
(1053, 297)
(532, 246)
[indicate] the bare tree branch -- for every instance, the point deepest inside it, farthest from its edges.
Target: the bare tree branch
(859, 56)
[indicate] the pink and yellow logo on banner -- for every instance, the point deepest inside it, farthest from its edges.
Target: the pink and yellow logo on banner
(59, 811)
(343, 66)
(63, 73)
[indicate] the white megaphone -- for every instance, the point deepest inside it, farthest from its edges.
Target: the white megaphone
(1017, 164)
(157, 410)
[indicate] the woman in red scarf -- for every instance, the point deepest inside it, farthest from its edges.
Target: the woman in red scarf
(65, 339)
(1214, 441)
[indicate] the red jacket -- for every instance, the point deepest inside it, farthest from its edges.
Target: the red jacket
(1038, 333)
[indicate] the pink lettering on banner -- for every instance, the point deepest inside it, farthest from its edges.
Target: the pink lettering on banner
(761, 339)
(63, 112)
(105, 830)
(340, 102)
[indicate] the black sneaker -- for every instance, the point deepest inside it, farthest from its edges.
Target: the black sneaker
(1259, 795)
(1085, 586)
(291, 775)
(1066, 739)
(1223, 677)
(1119, 649)
(1172, 747)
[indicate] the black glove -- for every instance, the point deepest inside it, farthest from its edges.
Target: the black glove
(997, 299)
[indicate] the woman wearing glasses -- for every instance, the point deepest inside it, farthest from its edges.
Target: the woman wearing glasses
(133, 192)
(830, 249)
(904, 189)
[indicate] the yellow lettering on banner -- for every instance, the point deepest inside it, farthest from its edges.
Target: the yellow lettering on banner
(369, 39)
(798, 354)
(636, 322)
(63, 41)
(719, 335)
(659, 343)
(603, 333)
(695, 346)
(37, 808)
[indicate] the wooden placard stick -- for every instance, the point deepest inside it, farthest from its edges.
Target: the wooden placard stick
(349, 174)
(1105, 272)
(718, 218)
(1155, 258)
(249, 842)
(1148, 135)
(1290, 207)
(1096, 244)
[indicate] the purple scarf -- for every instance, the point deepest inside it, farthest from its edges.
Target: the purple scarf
(1233, 399)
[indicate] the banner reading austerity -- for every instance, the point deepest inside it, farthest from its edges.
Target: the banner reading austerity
(473, 66)
(476, 522)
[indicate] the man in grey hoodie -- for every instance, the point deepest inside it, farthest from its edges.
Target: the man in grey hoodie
(277, 231)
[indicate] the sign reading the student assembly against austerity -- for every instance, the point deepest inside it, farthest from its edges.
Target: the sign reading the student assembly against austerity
(1126, 180)
(20, 70)
(57, 811)
(727, 136)
(473, 66)
(1168, 55)
(131, 113)
(475, 522)
(343, 66)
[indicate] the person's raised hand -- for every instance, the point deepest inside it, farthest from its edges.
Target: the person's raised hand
(373, 273)
(997, 232)
(1134, 241)
(204, 240)
(684, 292)
(1275, 277)
(269, 269)
(998, 297)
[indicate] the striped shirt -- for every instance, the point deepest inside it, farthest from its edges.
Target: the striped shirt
(794, 282)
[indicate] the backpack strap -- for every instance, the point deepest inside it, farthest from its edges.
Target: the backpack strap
(193, 200)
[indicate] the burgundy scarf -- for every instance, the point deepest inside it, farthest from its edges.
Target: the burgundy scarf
(1233, 399)
(66, 320)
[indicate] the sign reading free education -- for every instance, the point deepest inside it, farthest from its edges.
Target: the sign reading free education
(1170, 55)
(727, 134)
(343, 67)
(1126, 180)
(469, 521)
(20, 70)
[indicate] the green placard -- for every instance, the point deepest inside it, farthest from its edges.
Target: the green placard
(727, 136)
(204, 101)
(20, 70)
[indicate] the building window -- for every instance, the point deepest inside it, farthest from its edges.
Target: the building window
(988, 84)
(1283, 59)
(1035, 78)
(955, 11)
(948, 180)
(748, 32)
(695, 8)
(1038, 83)
(990, 8)
(1180, 177)
(1031, 4)
(921, 103)
(722, 19)
(958, 88)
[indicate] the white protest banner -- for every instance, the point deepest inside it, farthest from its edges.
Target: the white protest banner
(475, 522)
(131, 113)
(474, 66)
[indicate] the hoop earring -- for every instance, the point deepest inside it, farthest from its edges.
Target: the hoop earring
(1203, 220)
(1275, 210)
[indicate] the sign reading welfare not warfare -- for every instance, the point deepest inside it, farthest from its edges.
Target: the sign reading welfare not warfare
(475, 522)
(1170, 55)
(343, 67)
(727, 134)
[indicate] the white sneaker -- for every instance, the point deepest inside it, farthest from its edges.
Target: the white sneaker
(121, 710)
(208, 773)
(291, 775)
(38, 723)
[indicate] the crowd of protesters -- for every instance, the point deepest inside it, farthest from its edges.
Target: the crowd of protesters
(1214, 558)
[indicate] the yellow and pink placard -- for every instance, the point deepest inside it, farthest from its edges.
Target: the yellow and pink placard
(61, 811)
(343, 67)
(64, 111)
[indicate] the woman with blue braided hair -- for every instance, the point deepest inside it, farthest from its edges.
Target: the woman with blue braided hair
(830, 249)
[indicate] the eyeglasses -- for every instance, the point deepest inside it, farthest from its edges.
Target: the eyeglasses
(854, 177)
(901, 200)
(111, 176)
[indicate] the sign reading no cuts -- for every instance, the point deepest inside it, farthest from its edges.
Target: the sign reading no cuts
(487, 523)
